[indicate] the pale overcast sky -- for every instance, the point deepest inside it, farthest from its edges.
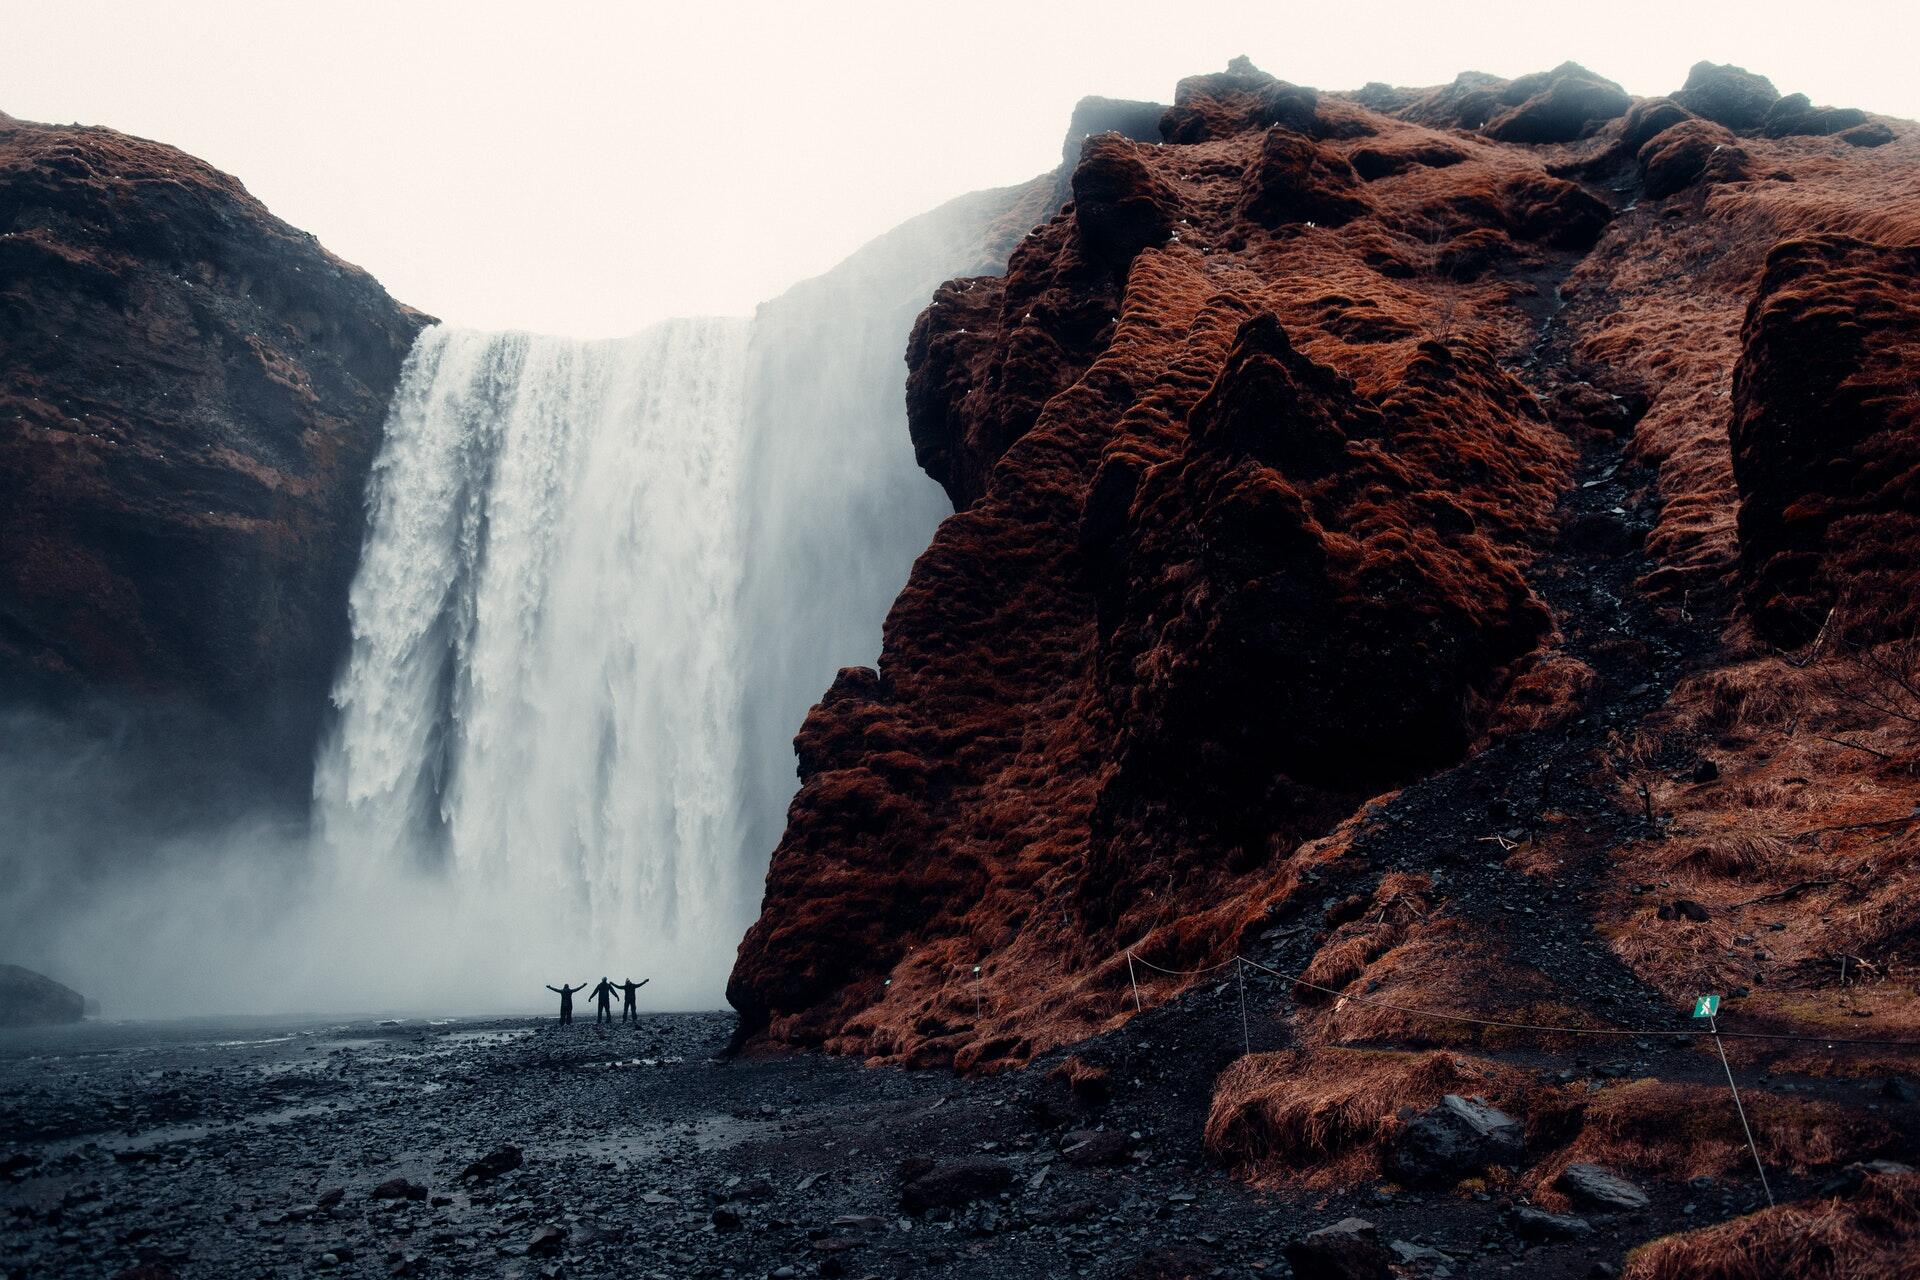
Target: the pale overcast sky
(587, 168)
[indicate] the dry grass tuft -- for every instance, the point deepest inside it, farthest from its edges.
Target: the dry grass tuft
(1325, 1118)
(1662, 1129)
(1873, 1235)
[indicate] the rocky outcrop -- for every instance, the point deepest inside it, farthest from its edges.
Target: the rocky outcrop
(29, 999)
(1556, 106)
(191, 393)
(1241, 536)
(1826, 438)
(1728, 95)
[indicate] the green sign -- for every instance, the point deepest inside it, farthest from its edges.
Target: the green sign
(1706, 1006)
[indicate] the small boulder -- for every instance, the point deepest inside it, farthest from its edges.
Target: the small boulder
(955, 1182)
(1350, 1249)
(1085, 1147)
(330, 1197)
(1595, 1187)
(1454, 1138)
(502, 1159)
(1873, 133)
(548, 1239)
(1688, 909)
(399, 1189)
(1795, 115)
(1538, 1225)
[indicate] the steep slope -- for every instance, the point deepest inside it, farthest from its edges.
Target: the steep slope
(191, 392)
(1375, 516)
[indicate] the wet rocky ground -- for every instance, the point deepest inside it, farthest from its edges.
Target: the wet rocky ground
(276, 1149)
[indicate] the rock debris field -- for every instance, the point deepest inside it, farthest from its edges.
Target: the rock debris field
(515, 1147)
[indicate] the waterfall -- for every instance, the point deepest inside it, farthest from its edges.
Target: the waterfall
(601, 585)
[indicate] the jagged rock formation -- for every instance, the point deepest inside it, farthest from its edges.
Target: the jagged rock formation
(1371, 510)
(191, 393)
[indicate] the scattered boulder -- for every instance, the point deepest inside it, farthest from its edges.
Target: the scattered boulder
(29, 999)
(1453, 1138)
(1350, 1249)
(547, 1240)
(502, 1159)
(1705, 770)
(1728, 95)
(1595, 1187)
(399, 1189)
(1688, 909)
(1094, 1146)
(1534, 1224)
(949, 1183)
(1795, 115)
(330, 1197)
(726, 1219)
(1873, 133)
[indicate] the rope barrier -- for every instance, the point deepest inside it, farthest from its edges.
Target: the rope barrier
(1501, 1022)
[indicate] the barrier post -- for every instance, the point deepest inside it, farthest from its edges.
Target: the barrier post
(1240, 972)
(1713, 1026)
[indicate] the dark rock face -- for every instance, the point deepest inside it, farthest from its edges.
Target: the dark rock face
(29, 999)
(193, 394)
(1728, 95)
(1826, 438)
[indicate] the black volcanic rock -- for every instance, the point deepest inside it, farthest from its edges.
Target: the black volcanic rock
(1728, 95)
(191, 394)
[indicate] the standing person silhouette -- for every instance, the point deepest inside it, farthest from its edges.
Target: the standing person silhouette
(603, 996)
(566, 1000)
(627, 988)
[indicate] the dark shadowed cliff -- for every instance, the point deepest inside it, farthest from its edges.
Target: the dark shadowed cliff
(191, 393)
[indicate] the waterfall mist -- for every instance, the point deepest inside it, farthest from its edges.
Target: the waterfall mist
(602, 583)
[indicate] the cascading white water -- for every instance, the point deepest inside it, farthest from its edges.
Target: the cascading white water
(602, 583)
(544, 689)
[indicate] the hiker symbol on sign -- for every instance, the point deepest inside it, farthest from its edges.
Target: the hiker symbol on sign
(1706, 1006)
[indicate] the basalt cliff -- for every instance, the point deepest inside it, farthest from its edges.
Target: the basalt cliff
(1454, 548)
(191, 395)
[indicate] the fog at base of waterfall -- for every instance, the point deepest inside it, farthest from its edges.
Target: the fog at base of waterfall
(601, 585)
